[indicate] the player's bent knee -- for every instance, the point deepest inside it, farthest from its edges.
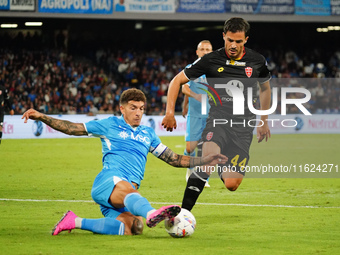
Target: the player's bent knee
(188, 149)
(232, 184)
(137, 226)
(133, 224)
(231, 187)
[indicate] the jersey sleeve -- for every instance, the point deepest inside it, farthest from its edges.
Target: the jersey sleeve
(97, 127)
(264, 72)
(197, 68)
(157, 148)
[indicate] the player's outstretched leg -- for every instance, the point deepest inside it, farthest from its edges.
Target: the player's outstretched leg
(103, 226)
(162, 213)
(67, 222)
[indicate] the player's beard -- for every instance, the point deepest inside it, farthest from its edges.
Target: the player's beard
(136, 123)
(233, 53)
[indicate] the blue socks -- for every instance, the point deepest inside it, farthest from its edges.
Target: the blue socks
(137, 205)
(104, 226)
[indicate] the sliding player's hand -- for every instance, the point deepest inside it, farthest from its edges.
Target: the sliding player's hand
(214, 159)
(31, 114)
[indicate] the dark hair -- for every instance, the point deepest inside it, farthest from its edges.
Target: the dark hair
(132, 95)
(236, 25)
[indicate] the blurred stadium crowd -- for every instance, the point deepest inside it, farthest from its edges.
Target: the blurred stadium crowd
(55, 82)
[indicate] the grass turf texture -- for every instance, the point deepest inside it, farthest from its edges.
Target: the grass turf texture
(64, 169)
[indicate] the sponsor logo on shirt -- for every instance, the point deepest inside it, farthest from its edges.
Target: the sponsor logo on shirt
(137, 137)
(235, 63)
(143, 139)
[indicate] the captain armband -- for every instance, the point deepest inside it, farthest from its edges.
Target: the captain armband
(158, 151)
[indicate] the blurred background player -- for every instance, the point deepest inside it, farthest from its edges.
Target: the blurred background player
(5, 104)
(240, 68)
(120, 7)
(192, 108)
(125, 145)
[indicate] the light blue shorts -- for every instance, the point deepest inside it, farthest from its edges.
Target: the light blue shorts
(102, 188)
(195, 126)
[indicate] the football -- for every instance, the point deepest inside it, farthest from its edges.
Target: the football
(182, 225)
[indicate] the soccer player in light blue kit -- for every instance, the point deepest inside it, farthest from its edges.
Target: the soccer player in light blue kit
(125, 145)
(196, 121)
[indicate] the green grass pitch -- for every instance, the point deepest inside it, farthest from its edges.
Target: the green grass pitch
(42, 179)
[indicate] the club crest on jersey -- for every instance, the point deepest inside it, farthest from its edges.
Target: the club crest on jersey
(249, 71)
(210, 135)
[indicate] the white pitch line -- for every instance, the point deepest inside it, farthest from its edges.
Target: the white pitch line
(46, 200)
(161, 203)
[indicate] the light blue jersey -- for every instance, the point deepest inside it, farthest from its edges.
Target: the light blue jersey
(124, 148)
(196, 120)
(196, 86)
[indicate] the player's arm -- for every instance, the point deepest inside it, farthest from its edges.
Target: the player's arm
(169, 121)
(265, 99)
(177, 160)
(63, 126)
(188, 92)
(185, 106)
